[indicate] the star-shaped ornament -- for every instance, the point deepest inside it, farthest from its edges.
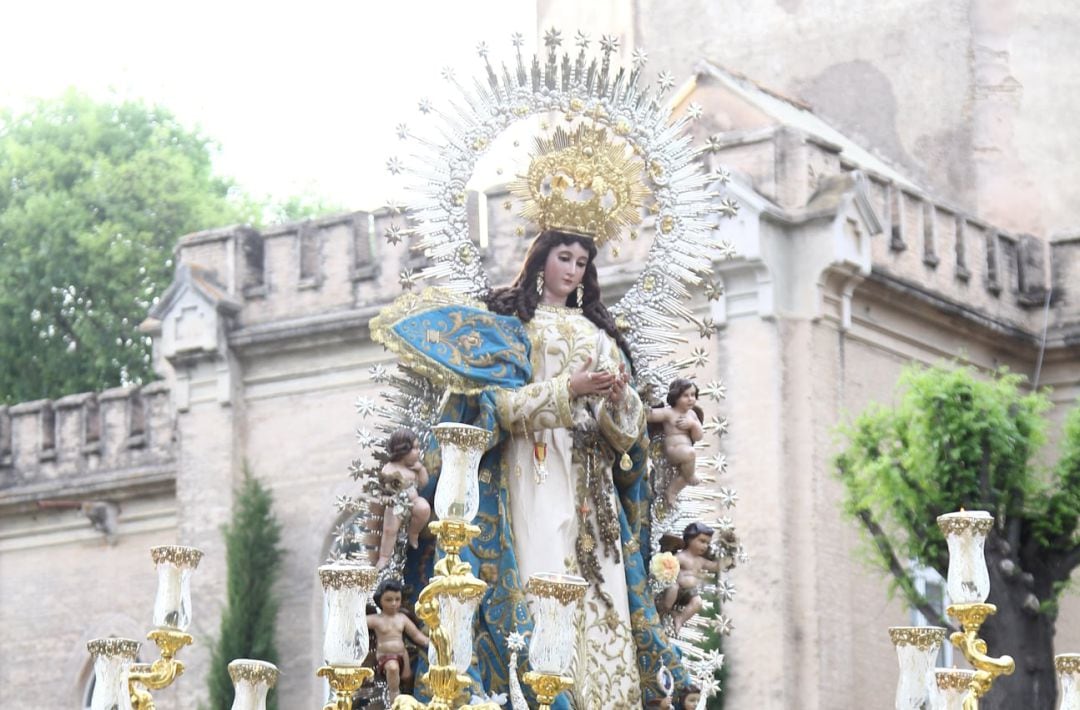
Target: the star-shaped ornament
(553, 39)
(482, 50)
(393, 165)
(365, 406)
(707, 328)
(713, 291)
(728, 207)
(728, 497)
(718, 463)
(665, 81)
(715, 390)
(727, 250)
(639, 58)
(407, 279)
(402, 131)
(365, 438)
(609, 43)
(393, 234)
(425, 106)
(726, 590)
(694, 111)
(517, 39)
(716, 425)
(722, 175)
(377, 372)
(715, 143)
(581, 40)
(515, 641)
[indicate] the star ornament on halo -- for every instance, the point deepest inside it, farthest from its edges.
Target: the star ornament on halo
(609, 44)
(407, 279)
(639, 58)
(553, 38)
(365, 406)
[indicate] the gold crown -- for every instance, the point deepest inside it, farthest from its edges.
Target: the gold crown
(582, 183)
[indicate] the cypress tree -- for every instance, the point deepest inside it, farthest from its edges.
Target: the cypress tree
(253, 558)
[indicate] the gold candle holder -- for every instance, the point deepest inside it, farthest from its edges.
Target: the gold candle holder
(172, 615)
(162, 672)
(344, 681)
(547, 686)
(453, 578)
(968, 581)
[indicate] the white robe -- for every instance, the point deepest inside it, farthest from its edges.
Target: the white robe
(545, 516)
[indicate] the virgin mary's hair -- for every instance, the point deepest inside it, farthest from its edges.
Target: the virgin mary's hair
(400, 444)
(520, 297)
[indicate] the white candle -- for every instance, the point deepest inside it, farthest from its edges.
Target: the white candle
(968, 580)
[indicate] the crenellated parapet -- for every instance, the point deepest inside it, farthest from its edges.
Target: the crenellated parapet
(85, 444)
(930, 250)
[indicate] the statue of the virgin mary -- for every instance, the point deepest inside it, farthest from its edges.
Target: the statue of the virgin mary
(546, 367)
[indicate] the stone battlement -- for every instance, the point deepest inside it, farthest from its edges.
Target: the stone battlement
(85, 443)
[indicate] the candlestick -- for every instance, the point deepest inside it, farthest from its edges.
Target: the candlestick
(965, 532)
(252, 680)
(916, 650)
(112, 659)
(172, 605)
(457, 496)
(949, 689)
(1067, 666)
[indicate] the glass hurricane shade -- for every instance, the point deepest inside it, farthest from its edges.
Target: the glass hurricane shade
(112, 661)
(346, 589)
(252, 680)
(172, 604)
(965, 532)
(916, 651)
(556, 608)
(457, 495)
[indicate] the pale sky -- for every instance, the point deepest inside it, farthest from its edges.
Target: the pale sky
(302, 97)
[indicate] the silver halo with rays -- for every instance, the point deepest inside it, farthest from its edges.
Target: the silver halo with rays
(684, 248)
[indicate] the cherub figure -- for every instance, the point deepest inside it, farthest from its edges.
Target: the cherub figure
(404, 474)
(681, 422)
(390, 627)
(683, 599)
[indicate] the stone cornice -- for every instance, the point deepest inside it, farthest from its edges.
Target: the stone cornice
(942, 304)
(114, 485)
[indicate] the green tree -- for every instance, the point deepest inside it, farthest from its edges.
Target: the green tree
(93, 196)
(248, 621)
(954, 440)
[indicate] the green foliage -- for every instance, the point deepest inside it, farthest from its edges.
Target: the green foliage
(248, 622)
(93, 197)
(954, 440)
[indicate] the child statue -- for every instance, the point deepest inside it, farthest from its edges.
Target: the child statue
(681, 422)
(683, 599)
(390, 627)
(404, 475)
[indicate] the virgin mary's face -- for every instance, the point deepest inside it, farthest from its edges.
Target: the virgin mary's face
(563, 271)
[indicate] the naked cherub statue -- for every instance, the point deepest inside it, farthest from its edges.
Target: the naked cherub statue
(683, 599)
(681, 422)
(405, 474)
(390, 627)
